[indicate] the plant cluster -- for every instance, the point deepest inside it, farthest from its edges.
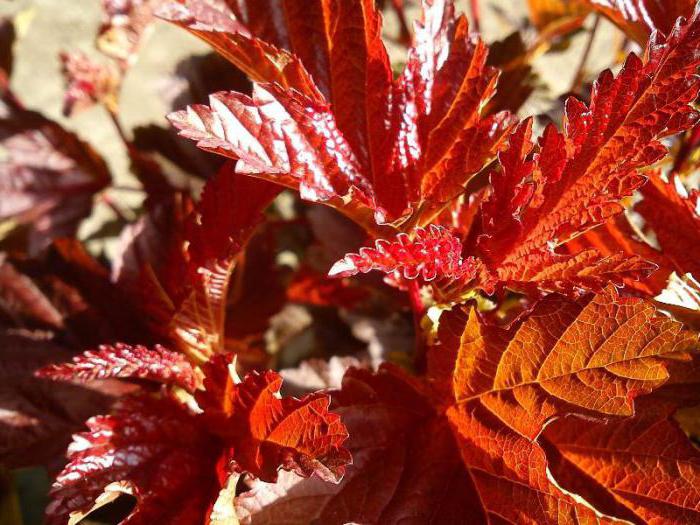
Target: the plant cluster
(396, 299)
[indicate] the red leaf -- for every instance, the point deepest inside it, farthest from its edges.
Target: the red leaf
(124, 24)
(645, 464)
(361, 78)
(265, 431)
(441, 138)
(675, 222)
(377, 139)
(37, 417)
(640, 18)
(616, 237)
(230, 209)
(432, 253)
(261, 61)
(155, 450)
(21, 298)
(540, 203)
(126, 361)
(391, 424)
(279, 136)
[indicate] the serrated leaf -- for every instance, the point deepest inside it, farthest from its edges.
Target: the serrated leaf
(125, 361)
(430, 253)
(266, 431)
(645, 464)
(540, 202)
(36, 416)
(261, 61)
(390, 424)
(616, 237)
(154, 449)
(230, 209)
(640, 18)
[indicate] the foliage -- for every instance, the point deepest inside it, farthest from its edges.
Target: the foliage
(495, 287)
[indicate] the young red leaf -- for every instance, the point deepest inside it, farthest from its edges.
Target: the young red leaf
(377, 137)
(445, 138)
(277, 138)
(265, 431)
(615, 237)
(126, 361)
(640, 18)
(88, 83)
(217, 25)
(675, 221)
(432, 253)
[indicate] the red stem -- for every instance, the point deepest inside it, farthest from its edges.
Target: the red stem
(474, 6)
(578, 78)
(418, 312)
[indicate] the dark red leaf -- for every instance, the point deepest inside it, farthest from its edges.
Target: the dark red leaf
(49, 177)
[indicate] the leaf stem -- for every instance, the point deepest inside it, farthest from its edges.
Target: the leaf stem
(580, 73)
(418, 312)
(474, 7)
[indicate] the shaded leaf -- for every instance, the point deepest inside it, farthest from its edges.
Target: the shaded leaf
(230, 209)
(37, 417)
(49, 177)
(675, 221)
(646, 464)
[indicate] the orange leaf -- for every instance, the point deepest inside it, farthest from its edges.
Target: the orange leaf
(645, 464)
(566, 357)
